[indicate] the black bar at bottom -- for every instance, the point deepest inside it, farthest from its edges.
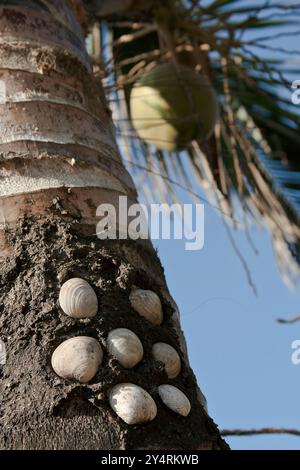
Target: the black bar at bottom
(133, 459)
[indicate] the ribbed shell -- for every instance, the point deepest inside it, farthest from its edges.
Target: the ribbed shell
(125, 346)
(166, 354)
(77, 299)
(174, 399)
(132, 403)
(2, 353)
(77, 358)
(147, 304)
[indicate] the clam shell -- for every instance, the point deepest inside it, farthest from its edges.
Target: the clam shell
(132, 403)
(78, 299)
(174, 399)
(77, 358)
(147, 304)
(125, 346)
(166, 354)
(2, 353)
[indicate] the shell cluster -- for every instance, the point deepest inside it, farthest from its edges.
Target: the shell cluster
(147, 304)
(77, 299)
(79, 358)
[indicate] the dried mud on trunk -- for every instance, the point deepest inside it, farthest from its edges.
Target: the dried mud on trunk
(40, 410)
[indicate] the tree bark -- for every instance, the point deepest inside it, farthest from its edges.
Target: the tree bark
(59, 161)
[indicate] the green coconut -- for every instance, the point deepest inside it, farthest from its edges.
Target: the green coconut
(171, 106)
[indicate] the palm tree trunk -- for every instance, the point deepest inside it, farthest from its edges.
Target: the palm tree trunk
(59, 161)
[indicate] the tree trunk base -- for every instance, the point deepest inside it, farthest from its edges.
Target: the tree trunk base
(40, 410)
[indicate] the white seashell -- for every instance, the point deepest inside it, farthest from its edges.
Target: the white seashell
(78, 299)
(77, 358)
(174, 399)
(147, 304)
(132, 403)
(166, 354)
(125, 346)
(2, 353)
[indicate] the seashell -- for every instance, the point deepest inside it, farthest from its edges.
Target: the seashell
(166, 354)
(77, 358)
(174, 399)
(2, 353)
(125, 346)
(132, 403)
(147, 304)
(78, 299)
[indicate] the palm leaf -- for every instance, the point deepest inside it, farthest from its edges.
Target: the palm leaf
(252, 160)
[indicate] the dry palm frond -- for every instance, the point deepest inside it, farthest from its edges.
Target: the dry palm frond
(251, 163)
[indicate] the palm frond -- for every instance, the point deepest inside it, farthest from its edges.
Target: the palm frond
(251, 163)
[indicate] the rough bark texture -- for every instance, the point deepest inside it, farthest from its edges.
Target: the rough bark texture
(40, 410)
(55, 136)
